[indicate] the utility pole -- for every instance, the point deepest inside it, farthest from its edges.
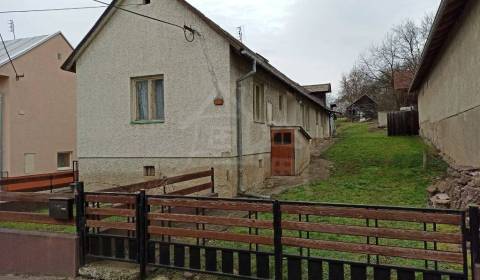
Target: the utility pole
(11, 23)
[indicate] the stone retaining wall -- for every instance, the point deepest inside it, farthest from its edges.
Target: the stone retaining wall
(458, 190)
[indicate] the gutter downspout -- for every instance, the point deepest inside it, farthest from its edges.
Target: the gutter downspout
(240, 188)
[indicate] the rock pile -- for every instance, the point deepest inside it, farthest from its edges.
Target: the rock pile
(458, 190)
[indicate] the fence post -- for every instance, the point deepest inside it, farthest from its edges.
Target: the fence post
(474, 239)
(212, 177)
(75, 171)
(141, 232)
(80, 219)
(277, 239)
(51, 183)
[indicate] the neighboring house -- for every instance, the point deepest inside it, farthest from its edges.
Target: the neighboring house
(403, 99)
(447, 82)
(364, 108)
(151, 103)
(37, 112)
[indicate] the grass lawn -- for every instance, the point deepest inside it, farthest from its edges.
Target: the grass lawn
(371, 168)
(368, 168)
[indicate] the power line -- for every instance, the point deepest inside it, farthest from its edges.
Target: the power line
(10, 58)
(142, 15)
(61, 9)
(185, 28)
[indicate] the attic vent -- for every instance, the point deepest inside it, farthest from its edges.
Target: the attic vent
(146, 2)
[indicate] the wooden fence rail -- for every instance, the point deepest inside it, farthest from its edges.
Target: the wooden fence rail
(35, 218)
(168, 181)
(40, 182)
(403, 123)
(390, 240)
(265, 239)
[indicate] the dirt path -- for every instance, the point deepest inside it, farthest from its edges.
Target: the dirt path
(319, 169)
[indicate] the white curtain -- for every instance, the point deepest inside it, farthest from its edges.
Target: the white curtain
(142, 100)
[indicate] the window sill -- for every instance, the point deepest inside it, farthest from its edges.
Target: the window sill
(64, 168)
(146, 122)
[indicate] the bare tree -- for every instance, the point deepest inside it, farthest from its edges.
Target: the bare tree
(373, 74)
(411, 39)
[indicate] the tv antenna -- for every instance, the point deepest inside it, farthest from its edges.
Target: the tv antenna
(240, 33)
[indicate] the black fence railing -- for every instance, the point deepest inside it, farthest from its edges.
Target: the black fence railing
(267, 239)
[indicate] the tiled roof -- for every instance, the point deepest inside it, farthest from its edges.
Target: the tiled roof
(402, 80)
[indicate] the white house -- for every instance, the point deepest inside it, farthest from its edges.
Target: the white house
(160, 100)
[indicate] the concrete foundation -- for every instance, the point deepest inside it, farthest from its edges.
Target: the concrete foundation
(458, 137)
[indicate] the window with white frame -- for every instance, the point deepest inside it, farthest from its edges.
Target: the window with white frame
(64, 160)
(258, 102)
(148, 99)
(29, 163)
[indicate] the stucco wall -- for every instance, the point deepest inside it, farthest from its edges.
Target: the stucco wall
(257, 135)
(194, 73)
(449, 99)
(196, 134)
(103, 173)
(39, 108)
(302, 152)
(318, 130)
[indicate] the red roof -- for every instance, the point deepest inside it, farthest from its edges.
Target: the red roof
(402, 80)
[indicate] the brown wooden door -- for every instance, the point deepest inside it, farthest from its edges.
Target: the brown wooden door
(283, 152)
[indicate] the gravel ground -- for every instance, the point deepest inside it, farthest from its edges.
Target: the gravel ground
(23, 277)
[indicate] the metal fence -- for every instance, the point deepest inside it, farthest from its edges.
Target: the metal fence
(269, 239)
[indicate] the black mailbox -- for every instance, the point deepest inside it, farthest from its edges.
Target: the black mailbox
(60, 208)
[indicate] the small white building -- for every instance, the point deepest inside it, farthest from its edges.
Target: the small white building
(160, 100)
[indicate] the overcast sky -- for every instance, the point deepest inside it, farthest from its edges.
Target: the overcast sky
(312, 41)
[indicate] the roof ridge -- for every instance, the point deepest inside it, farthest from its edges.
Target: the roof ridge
(18, 47)
(70, 63)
